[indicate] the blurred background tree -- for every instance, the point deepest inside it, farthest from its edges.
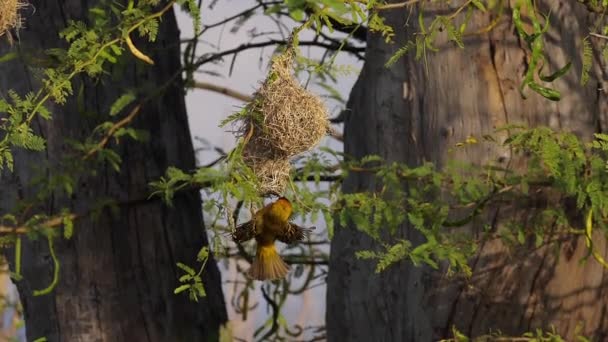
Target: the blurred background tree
(417, 111)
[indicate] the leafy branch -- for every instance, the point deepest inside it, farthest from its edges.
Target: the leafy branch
(86, 54)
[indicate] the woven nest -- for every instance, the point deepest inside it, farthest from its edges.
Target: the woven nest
(287, 119)
(273, 174)
(9, 15)
(283, 120)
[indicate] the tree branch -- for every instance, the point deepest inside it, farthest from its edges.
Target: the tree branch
(222, 90)
(52, 222)
(396, 5)
(125, 121)
(226, 20)
(275, 315)
(243, 47)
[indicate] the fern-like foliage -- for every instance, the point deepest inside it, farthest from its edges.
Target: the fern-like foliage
(587, 58)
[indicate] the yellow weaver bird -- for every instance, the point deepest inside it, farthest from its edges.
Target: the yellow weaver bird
(269, 224)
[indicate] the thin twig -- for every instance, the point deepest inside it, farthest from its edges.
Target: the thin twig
(275, 315)
(125, 121)
(222, 90)
(243, 47)
(53, 222)
(598, 35)
(396, 5)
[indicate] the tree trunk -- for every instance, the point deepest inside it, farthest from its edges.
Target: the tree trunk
(407, 115)
(117, 273)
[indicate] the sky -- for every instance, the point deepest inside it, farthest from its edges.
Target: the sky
(206, 109)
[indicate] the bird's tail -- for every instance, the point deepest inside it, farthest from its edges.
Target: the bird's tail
(268, 264)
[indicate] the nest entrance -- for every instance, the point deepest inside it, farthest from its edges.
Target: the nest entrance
(282, 121)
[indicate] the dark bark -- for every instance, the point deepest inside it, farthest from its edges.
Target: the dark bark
(118, 271)
(405, 115)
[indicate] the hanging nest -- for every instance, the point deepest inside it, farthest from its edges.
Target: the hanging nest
(273, 174)
(282, 121)
(287, 119)
(9, 16)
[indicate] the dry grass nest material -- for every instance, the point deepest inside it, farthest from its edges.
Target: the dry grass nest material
(273, 174)
(284, 120)
(287, 119)
(9, 15)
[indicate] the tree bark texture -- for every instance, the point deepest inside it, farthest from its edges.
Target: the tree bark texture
(413, 113)
(118, 271)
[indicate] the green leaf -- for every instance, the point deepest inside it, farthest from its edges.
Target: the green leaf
(68, 227)
(8, 56)
(297, 14)
(548, 93)
(559, 73)
(273, 9)
(521, 237)
(329, 221)
(587, 60)
(4, 106)
(181, 288)
(458, 336)
(203, 254)
(186, 268)
(200, 289)
(185, 278)
(44, 113)
(394, 254)
(400, 53)
(365, 255)
(338, 6)
(479, 5)
(117, 50)
(121, 103)
(105, 54)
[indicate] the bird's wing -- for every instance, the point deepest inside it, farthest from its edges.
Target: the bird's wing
(294, 233)
(244, 232)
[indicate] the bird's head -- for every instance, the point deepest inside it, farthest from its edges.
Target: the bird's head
(284, 207)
